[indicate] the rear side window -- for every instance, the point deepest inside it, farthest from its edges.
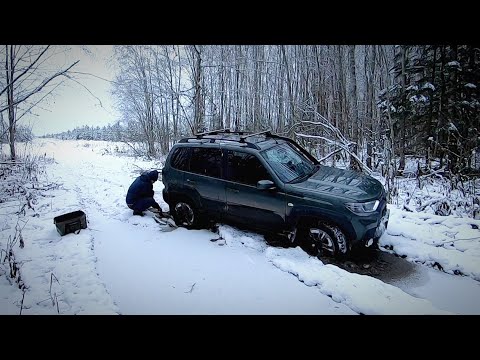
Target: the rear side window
(206, 162)
(245, 168)
(180, 159)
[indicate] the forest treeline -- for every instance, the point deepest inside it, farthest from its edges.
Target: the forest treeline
(377, 102)
(372, 105)
(114, 132)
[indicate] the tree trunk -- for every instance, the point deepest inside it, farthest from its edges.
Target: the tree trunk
(291, 104)
(256, 89)
(10, 70)
(280, 114)
(403, 79)
(440, 134)
(222, 89)
(198, 123)
(430, 129)
(341, 93)
(370, 101)
(354, 106)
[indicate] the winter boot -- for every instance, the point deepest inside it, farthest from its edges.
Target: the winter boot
(136, 212)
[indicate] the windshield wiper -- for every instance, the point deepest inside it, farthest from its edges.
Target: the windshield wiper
(305, 176)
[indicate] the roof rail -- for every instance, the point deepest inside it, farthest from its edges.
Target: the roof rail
(243, 134)
(212, 132)
(266, 132)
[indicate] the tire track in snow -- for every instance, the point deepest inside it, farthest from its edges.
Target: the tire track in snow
(78, 289)
(347, 288)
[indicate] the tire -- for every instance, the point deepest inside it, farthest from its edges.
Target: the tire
(185, 214)
(322, 239)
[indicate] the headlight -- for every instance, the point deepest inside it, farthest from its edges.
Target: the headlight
(363, 208)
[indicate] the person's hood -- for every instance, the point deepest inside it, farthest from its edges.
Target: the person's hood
(153, 175)
(150, 175)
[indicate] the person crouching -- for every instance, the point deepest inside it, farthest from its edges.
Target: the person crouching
(140, 193)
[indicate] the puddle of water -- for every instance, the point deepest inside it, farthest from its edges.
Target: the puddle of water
(383, 266)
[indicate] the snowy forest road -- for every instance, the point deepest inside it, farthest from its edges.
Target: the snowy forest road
(101, 182)
(124, 264)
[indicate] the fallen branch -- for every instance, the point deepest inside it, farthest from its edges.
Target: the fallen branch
(11, 162)
(21, 303)
(327, 156)
(436, 172)
(133, 148)
(407, 207)
(191, 289)
(54, 297)
(430, 202)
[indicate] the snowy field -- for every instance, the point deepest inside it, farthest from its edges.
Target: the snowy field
(123, 264)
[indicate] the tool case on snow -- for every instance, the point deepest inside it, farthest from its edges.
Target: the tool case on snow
(71, 222)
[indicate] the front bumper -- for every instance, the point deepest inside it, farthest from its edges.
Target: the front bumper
(382, 226)
(376, 230)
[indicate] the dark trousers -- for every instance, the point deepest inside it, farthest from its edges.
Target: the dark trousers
(142, 204)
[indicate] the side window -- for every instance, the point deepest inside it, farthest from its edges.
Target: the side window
(206, 162)
(245, 168)
(180, 159)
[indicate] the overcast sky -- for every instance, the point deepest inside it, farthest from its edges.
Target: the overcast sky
(73, 106)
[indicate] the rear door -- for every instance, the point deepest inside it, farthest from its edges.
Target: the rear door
(204, 179)
(261, 209)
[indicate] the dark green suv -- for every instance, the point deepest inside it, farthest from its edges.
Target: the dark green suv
(269, 183)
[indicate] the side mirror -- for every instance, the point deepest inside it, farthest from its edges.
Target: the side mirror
(265, 185)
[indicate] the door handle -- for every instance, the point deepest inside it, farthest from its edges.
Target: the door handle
(191, 182)
(233, 190)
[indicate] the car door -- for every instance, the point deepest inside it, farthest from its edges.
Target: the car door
(204, 179)
(261, 209)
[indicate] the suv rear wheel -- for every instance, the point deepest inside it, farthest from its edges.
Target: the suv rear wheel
(322, 239)
(185, 214)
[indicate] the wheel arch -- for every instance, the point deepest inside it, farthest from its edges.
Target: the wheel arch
(302, 217)
(188, 196)
(340, 243)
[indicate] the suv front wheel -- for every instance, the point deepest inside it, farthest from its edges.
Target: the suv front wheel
(323, 239)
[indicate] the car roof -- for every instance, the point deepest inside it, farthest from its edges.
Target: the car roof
(233, 139)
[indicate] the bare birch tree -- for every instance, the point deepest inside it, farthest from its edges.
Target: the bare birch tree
(27, 82)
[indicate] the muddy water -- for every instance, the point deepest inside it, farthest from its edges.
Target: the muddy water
(378, 264)
(382, 265)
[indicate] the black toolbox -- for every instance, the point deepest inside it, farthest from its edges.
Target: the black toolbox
(71, 222)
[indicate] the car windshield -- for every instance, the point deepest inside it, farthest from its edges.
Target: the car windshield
(289, 164)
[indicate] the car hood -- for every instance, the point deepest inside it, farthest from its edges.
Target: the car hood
(340, 183)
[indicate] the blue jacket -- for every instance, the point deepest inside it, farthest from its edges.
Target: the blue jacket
(142, 187)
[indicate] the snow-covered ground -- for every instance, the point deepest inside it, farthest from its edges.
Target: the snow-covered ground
(123, 264)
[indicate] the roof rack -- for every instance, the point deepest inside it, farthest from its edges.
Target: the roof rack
(213, 140)
(213, 132)
(266, 132)
(243, 134)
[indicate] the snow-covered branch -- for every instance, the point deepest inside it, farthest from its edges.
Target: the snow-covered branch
(28, 68)
(342, 146)
(39, 87)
